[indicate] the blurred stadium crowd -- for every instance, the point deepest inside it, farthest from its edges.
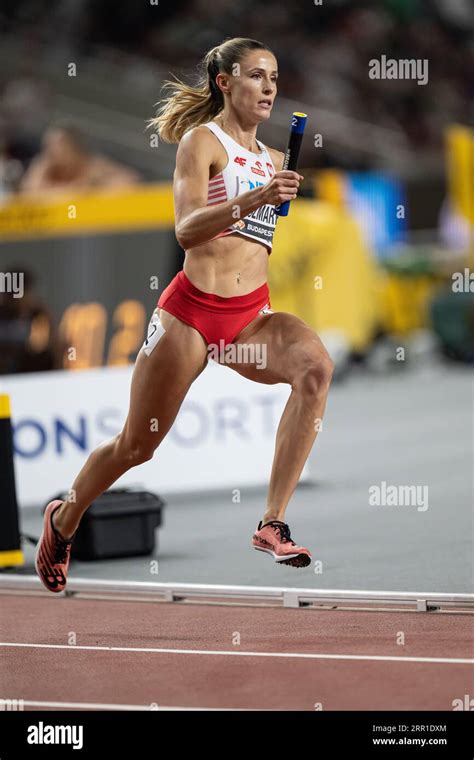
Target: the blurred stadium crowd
(88, 131)
(323, 53)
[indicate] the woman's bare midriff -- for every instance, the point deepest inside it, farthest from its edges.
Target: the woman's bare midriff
(229, 266)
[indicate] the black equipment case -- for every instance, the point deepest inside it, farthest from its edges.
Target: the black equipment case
(120, 523)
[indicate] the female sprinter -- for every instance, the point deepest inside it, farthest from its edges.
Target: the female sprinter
(226, 185)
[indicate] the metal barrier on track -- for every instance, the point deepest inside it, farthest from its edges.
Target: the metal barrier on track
(248, 595)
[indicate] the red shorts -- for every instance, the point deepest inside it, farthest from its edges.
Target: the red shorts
(215, 317)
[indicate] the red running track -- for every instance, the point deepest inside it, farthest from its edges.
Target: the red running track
(92, 654)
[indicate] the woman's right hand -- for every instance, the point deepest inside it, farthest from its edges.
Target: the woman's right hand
(282, 187)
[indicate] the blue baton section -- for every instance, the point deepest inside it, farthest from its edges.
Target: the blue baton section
(298, 124)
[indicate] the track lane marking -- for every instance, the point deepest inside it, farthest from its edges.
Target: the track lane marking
(227, 653)
(148, 708)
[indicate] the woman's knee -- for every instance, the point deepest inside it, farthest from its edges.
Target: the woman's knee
(313, 377)
(134, 451)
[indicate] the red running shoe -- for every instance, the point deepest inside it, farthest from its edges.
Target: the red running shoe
(274, 537)
(52, 553)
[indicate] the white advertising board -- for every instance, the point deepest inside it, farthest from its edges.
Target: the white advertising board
(223, 436)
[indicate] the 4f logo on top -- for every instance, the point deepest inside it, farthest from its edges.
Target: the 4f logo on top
(239, 160)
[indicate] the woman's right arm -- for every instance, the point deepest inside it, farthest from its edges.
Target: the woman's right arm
(195, 222)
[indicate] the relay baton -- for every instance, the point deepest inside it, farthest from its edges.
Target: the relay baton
(298, 123)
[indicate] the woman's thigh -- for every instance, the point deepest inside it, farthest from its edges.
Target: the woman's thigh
(164, 370)
(276, 348)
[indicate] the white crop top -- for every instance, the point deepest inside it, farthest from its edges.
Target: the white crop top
(244, 171)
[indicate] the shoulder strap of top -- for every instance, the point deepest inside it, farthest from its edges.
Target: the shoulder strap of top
(221, 135)
(230, 144)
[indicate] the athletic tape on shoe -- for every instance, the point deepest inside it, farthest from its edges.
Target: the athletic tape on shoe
(154, 333)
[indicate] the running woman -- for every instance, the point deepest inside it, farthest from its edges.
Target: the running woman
(226, 185)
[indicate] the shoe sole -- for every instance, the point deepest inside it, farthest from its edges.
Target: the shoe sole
(293, 560)
(53, 590)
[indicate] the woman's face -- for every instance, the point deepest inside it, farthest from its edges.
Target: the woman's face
(252, 85)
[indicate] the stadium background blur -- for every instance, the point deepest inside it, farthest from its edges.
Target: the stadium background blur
(376, 254)
(385, 217)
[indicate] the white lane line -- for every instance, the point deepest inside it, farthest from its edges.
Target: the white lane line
(147, 708)
(226, 653)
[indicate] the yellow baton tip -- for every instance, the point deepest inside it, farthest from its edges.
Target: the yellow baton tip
(298, 113)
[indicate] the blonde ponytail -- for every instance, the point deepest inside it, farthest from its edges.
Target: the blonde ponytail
(187, 106)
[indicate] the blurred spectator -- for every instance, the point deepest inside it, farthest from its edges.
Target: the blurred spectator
(65, 163)
(10, 170)
(323, 52)
(29, 341)
(22, 96)
(454, 230)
